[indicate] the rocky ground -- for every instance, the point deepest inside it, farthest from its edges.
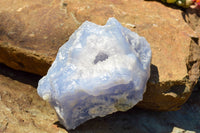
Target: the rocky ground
(23, 111)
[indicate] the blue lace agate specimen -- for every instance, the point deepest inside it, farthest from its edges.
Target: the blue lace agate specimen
(100, 70)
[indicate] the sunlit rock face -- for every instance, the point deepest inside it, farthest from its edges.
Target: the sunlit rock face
(100, 70)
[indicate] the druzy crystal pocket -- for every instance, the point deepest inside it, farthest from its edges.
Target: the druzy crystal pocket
(98, 71)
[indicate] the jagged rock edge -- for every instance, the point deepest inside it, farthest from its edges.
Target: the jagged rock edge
(25, 60)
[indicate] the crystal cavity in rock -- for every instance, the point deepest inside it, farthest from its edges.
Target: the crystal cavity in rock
(100, 57)
(98, 71)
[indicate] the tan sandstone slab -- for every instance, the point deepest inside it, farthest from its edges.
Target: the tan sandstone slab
(21, 109)
(32, 31)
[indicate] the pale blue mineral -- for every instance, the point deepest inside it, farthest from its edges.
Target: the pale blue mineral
(98, 71)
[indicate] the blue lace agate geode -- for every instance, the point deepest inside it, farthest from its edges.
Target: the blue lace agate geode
(100, 70)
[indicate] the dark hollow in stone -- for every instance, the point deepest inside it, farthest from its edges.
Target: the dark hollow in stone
(100, 57)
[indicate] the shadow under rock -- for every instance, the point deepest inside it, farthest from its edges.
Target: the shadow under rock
(192, 18)
(154, 74)
(191, 11)
(20, 76)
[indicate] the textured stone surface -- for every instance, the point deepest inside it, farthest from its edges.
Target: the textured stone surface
(21, 107)
(99, 71)
(192, 17)
(32, 31)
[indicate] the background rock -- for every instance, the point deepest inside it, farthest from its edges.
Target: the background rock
(21, 107)
(32, 32)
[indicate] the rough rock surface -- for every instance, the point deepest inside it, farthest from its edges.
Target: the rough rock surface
(21, 107)
(32, 31)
